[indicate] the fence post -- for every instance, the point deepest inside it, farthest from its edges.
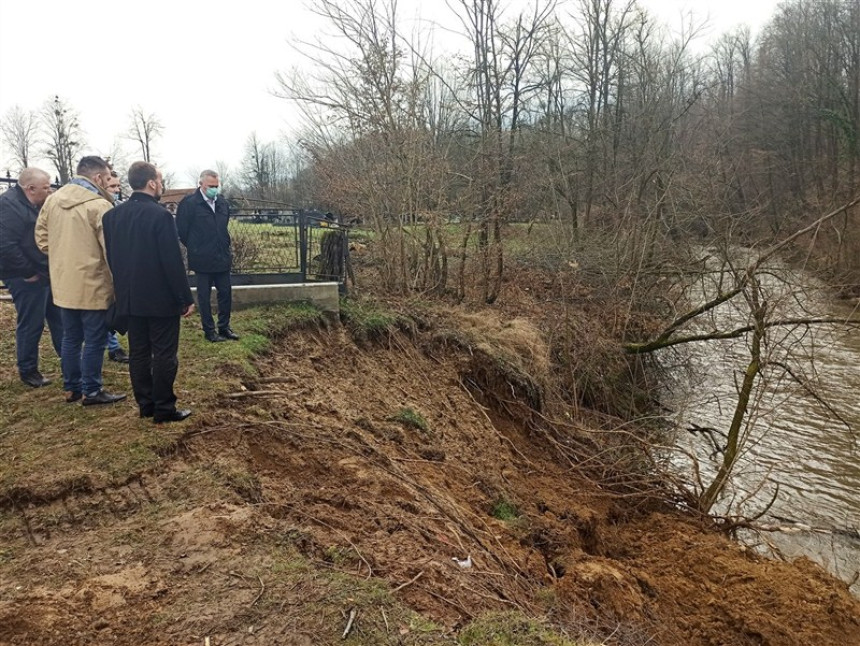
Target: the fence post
(303, 245)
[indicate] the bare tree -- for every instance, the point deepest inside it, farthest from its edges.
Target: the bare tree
(65, 138)
(755, 318)
(144, 129)
(502, 58)
(225, 174)
(368, 139)
(20, 131)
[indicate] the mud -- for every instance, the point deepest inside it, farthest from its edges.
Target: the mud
(310, 493)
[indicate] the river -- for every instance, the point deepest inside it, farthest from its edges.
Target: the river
(803, 441)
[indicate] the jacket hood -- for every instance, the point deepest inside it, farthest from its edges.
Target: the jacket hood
(71, 196)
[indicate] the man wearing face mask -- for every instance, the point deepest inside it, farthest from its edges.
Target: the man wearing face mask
(114, 187)
(202, 220)
(69, 230)
(151, 290)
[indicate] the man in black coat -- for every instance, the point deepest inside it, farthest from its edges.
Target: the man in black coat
(202, 223)
(24, 270)
(151, 290)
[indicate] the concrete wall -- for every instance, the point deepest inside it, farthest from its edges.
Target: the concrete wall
(322, 295)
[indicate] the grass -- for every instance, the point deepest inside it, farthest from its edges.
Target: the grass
(367, 320)
(411, 419)
(51, 447)
(512, 629)
(504, 509)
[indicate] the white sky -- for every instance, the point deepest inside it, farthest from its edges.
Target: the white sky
(205, 69)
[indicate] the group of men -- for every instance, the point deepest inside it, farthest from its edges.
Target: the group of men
(70, 255)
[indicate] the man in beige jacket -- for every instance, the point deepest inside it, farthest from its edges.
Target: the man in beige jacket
(69, 230)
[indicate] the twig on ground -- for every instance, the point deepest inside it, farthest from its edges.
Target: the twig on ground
(262, 590)
(352, 615)
(409, 582)
(254, 393)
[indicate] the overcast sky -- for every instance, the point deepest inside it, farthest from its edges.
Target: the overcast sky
(206, 70)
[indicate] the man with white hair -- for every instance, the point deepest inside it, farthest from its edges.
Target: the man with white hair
(24, 270)
(202, 219)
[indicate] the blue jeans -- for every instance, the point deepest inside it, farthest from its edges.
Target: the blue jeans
(112, 341)
(82, 367)
(33, 305)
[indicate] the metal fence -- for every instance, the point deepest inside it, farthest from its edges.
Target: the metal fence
(287, 246)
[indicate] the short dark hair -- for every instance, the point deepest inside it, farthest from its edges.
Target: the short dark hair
(139, 173)
(91, 165)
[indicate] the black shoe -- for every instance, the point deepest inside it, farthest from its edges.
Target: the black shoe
(118, 355)
(35, 379)
(175, 416)
(102, 397)
(227, 333)
(72, 396)
(214, 337)
(146, 412)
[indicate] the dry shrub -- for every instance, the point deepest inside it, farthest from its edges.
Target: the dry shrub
(245, 251)
(593, 372)
(509, 361)
(517, 340)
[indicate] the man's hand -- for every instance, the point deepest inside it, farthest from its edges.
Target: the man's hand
(32, 279)
(188, 311)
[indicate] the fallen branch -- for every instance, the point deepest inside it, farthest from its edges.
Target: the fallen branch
(289, 379)
(641, 348)
(664, 339)
(254, 393)
(409, 582)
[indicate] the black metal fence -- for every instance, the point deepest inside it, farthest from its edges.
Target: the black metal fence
(288, 246)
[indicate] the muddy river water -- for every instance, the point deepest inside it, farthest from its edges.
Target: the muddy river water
(803, 440)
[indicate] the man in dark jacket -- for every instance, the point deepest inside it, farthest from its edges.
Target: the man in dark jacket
(24, 270)
(202, 223)
(151, 290)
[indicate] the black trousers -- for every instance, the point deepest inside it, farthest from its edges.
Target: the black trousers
(221, 282)
(152, 345)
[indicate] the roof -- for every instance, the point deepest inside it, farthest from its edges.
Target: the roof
(175, 195)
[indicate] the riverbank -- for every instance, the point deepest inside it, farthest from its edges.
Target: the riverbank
(331, 473)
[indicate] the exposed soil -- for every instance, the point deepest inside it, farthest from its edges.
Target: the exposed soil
(350, 476)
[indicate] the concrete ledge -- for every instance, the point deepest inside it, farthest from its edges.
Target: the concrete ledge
(325, 296)
(322, 295)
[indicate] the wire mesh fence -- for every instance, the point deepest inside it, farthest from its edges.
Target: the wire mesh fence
(290, 246)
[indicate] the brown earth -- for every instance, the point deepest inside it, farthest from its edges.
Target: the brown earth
(346, 476)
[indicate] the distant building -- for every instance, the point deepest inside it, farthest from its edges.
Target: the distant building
(174, 196)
